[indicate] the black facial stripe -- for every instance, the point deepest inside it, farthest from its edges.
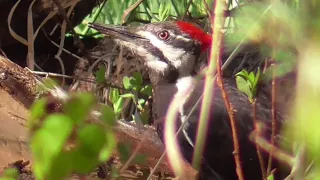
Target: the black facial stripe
(156, 53)
(173, 74)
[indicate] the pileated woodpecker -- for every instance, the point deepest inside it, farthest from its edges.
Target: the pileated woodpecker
(171, 51)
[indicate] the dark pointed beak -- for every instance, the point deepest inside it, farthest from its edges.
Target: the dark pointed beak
(118, 32)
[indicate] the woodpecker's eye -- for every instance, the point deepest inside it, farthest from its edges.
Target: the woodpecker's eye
(163, 35)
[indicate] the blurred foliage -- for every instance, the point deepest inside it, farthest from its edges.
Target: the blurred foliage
(10, 174)
(65, 142)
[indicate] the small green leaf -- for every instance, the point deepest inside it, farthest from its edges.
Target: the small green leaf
(243, 86)
(48, 142)
(118, 105)
(61, 166)
(243, 73)
(79, 106)
(127, 83)
(137, 78)
(115, 172)
(114, 95)
(257, 78)
(145, 116)
(147, 90)
(127, 95)
(10, 174)
(109, 147)
(154, 18)
(108, 115)
(141, 102)
(100, 74)
(164, 10)
(251, 78)
(140, 159)
(49, 83)
(270, 177)
(125, 151)
(38, 110)
(161, 8)
(91, 140)
(84, 164)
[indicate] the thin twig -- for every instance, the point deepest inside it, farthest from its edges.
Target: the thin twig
(277, 153)
(208, 10)
(30, 36)
(273, 114)
(135, 152)
(232, 122)
(254, 111)
(63, 49)
(3, 53)
(76, 78)
(187, 9)
(128, 11)
(62, 12)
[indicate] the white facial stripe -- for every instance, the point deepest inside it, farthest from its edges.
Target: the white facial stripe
(158, 66)
(183, 38)
(154, 64)
(172, 53)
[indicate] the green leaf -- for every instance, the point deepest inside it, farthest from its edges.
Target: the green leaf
(127, 95)
(37, 111)
(127, 83)
(61, 166)
(141, 102)
(251, 78)
(257, 78)
(164, 10)
(161, 8)
(154, 18)
(109, 147)
(10, 174)
(243, 86)
(108, 115)
(140, 159)
(243, 73)
(137, 78)
(50, 83)
(147, 90)
(100, 74)
(118, 105)
(48, 142)
(125, 151)
(270, 177)
(145, 116)
(114, 95)
(91, 140)
(115, 172)
(84, 164)
(79, 107)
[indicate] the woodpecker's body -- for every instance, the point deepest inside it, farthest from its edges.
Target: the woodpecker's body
(171, 51)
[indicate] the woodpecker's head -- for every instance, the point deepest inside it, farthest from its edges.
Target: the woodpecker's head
(169, 49)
